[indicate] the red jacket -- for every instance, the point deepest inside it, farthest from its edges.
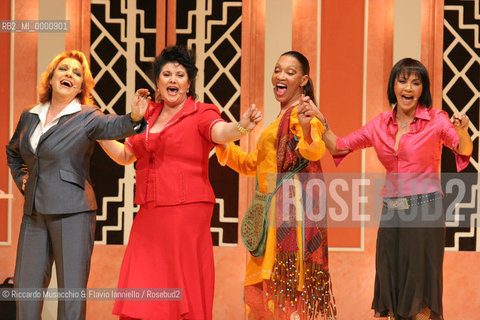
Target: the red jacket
(176, 159)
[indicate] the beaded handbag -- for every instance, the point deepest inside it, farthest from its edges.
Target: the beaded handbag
(254, 227)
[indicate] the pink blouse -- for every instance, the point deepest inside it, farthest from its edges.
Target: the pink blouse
(414, 168)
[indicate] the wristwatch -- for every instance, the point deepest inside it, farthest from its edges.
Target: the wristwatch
(136, 124)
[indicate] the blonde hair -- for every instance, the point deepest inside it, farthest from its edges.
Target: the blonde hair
(45, 89)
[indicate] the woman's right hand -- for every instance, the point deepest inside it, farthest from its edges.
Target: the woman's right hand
(140, 104)
(311, 110)
(251, 118)
(306, 111)
(24, 181)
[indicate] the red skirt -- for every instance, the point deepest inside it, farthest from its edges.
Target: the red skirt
(169, 248)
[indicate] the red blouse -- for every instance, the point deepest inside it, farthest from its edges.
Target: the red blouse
(415, 166)
(174, 161)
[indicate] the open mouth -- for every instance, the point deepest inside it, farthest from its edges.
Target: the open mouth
(280, 89)
(407, 98)
(66, 83)
(172, 90)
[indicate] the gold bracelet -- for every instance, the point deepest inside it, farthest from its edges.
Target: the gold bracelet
(241, 129)
(325, 124)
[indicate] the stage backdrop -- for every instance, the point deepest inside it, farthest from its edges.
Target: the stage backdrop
(461, 93)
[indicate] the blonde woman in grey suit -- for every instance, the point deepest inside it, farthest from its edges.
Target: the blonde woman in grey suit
(49, 158)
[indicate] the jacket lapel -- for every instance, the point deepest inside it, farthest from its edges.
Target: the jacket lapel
(61, 121)
(32, 124)
(189, 108)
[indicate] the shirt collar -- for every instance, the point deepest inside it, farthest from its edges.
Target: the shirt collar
(422, 112)
(42, 109)
(155, 108)
(189, 107)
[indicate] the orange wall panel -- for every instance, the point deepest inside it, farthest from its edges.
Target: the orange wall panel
(341, 88)
(304, 33)
(4, 119)
(78, 13)
(432, 46)
(341, 68)
(24, 94)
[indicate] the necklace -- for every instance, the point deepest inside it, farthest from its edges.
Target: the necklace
(403, 124)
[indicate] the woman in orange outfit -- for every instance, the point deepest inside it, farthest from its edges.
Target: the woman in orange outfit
(291, 279)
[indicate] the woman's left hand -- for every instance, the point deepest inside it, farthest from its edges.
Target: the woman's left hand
(140, 104)
(251, 118)
(460, 121)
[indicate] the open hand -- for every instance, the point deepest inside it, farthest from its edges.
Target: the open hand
(140, 104)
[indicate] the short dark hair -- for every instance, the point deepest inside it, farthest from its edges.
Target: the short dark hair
(308, 89)
(406, 67)
(183, 56)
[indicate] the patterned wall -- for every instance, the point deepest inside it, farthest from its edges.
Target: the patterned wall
(212, 28)
(461, 93)
(122, 48)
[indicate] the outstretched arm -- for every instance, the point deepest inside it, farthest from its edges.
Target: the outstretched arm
(117, 152)
(465, 145)
(225, 132)
(329, 136)
(330, 140)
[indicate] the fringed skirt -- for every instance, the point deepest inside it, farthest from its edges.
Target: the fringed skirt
(262, 303)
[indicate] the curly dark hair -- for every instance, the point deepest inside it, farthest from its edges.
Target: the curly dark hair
(182, 55)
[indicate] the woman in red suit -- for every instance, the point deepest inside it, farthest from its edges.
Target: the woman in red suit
(170, 244)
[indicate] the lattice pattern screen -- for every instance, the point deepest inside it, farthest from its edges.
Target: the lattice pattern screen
(212, 28)
(122, 48)
(461, 93)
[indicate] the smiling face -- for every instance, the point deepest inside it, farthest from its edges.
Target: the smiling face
(67, 79)
(408, 89)
(288, 80)
(173, 84)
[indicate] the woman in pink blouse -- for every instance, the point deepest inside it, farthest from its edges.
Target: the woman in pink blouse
(408, 141)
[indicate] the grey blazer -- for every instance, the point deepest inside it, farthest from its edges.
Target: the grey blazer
(59, 170)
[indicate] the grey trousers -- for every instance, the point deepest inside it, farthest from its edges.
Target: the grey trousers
(66, 239)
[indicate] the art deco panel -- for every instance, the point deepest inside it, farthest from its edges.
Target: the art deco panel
(122, 48)
(461, 93)
(212, 28)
